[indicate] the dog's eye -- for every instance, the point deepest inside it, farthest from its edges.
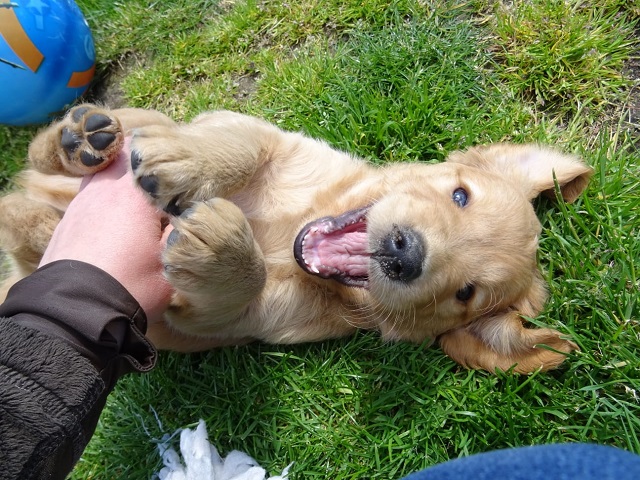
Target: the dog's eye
(459, 196)
(464, 294)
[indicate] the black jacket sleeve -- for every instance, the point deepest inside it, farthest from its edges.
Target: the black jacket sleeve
(67, 333)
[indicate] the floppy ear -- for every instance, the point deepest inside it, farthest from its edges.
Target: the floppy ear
(502, 341)
(531, 165)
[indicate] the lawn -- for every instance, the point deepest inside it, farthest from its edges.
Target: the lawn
(395, 81)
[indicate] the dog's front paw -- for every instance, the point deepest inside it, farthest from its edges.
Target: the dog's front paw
(215, 266)
(212, 243)
(168, 168)
(90, 138)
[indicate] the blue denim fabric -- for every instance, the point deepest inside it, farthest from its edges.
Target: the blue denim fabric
(544, 462)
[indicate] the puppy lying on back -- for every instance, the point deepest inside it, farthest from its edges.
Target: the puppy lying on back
(282, 239)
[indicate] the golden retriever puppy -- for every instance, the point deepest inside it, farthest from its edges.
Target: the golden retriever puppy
(280, 238)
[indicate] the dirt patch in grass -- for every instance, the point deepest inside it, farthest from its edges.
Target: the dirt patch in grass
(246, 84)
(632, 72)
(623, 116)
(107, 86)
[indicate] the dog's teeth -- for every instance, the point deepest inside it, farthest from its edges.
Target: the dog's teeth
(314, 269)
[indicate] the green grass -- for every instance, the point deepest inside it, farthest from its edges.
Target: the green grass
(564, 56)
(13, 145)
(396, 81)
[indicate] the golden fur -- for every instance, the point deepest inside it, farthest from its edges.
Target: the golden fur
(419, 252)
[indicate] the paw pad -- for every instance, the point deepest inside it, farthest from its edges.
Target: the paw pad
(90, 138)
(101, 140)
(149, 184)
(173, 237)
(78, 113)
(69, 141)
(136, 160)
(97, 121)
(89, 159)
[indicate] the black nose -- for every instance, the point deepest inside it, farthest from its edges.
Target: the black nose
(400, 254)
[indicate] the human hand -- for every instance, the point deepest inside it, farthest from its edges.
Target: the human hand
(111, 225)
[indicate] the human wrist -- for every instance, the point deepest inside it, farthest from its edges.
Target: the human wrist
(88, 309)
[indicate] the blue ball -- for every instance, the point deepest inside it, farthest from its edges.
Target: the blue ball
(47, 59)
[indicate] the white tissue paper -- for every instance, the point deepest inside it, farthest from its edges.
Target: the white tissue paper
(201, 461)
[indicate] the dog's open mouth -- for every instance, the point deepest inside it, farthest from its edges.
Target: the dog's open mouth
(336, 248)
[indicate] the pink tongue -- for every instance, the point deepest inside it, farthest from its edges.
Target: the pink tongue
(344, 251)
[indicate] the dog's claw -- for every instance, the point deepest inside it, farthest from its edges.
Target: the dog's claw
(173, 208)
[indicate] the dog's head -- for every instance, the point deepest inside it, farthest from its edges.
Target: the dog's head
(448, 251)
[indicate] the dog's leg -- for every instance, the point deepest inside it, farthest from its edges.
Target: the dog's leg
(214, 264)
(214, 156)
(85, 141)
(26, 227)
